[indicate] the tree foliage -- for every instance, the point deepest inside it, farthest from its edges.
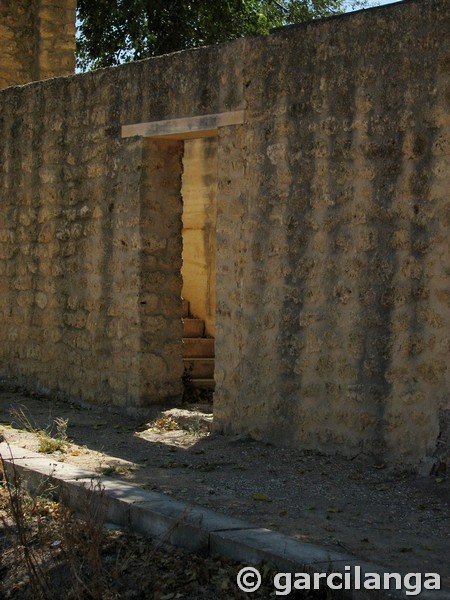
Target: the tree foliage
(115, 31)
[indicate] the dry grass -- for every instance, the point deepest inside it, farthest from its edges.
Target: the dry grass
(49, 546)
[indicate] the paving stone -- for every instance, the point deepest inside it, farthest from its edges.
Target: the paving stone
(180, 524)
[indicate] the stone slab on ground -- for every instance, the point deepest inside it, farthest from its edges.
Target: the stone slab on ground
(37, 472)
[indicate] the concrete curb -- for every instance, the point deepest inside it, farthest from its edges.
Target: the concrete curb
(190, 527)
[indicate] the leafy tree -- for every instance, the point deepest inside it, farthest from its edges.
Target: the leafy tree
(115, 31)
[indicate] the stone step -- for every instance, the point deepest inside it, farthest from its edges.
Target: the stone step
(199, 368)
(198, 347)
(193, 328)
(203, 384)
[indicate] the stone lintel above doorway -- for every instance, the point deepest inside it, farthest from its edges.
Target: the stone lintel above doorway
(186, 127)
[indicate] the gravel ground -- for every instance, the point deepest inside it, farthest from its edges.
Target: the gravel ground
(384, 515)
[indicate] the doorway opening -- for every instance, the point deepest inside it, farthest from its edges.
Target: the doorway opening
(199, 194)
(199, 138)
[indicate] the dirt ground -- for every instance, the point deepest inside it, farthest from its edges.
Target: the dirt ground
(117, 566)
(387, 516)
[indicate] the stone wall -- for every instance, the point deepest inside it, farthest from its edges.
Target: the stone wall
(333, 250)
(37, 38)
(332, 232)
(90, 236)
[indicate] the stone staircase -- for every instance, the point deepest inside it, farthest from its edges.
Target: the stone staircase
(198, 353)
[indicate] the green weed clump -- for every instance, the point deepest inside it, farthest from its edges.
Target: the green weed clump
(58, 443)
